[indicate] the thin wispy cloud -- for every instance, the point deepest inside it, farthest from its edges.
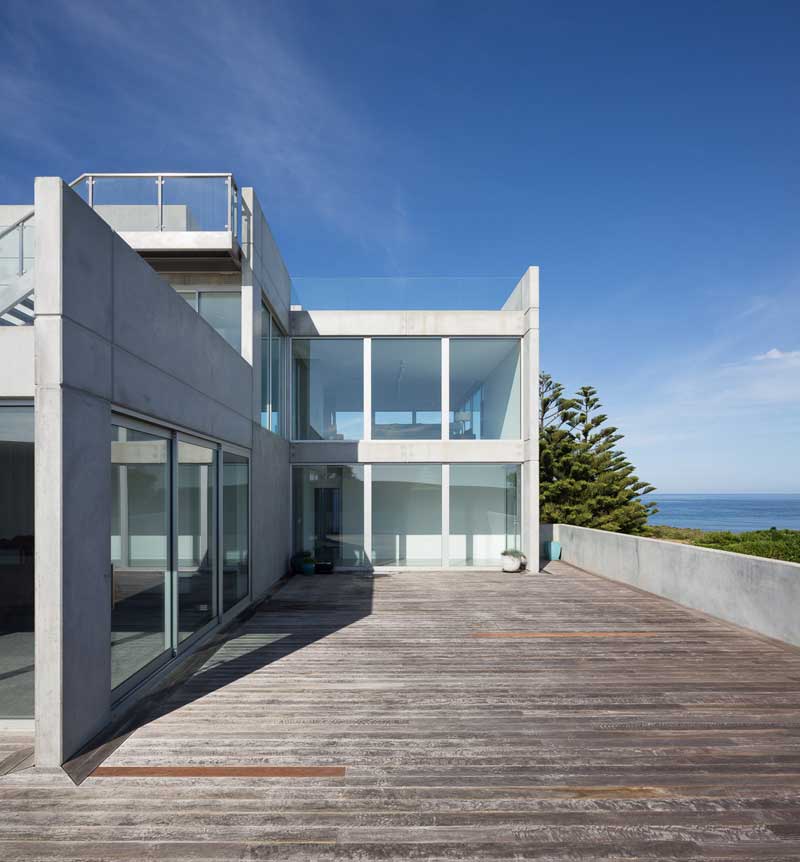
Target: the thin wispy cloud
(777, 355)
(226, 86)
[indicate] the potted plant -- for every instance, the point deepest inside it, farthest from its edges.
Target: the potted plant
(513, 560)
(303, 563)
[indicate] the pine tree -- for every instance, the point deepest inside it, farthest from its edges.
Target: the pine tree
(585, 479)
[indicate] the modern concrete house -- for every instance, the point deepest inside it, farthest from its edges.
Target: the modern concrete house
(173, 428)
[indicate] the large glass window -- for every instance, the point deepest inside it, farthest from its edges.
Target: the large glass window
(484, 513)
(197, 529)
(140, 550)
(235, 527)
(222, 309)
(328, 386)
(273, 359)
(407, 514)
(16, 561)
(406, 389)
(329, 513)
(484, 389)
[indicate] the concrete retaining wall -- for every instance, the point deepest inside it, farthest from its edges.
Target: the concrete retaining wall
(753, 592)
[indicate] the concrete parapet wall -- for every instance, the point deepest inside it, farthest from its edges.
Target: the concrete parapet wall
(753, 592)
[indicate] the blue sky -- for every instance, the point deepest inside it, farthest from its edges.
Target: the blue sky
(645, 156)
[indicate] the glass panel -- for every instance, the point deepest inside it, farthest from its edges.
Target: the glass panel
(329, 513)
(197, 507)
(484, 513)
(28, 244)
(235, 525)
(484, 389)
(266, 322)
(9, 255)
(127, 203)
(223, 310)
(195, 203)
(406, 389)
(140, 550)
(407, 514)
(82, 189)
(276, 392)
(328, 385)
(16, 562)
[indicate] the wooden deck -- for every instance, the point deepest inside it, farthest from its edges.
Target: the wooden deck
(448, 716)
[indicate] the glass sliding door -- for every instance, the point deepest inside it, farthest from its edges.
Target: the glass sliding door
(329, 513)
(407, 514)
(235, 529)
(484, 513)
(406, 389)
(16, 561)
(197, 536)
(140, 551)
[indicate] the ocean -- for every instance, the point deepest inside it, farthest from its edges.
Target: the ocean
(737, 513)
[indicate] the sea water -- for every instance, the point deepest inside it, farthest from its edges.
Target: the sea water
(737, 513)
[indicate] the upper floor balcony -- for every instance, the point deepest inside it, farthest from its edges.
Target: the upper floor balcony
(185, 222)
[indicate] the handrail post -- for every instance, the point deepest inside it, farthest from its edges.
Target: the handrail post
(160, 185)
(21, 262)
(90, 190)
(230, 208)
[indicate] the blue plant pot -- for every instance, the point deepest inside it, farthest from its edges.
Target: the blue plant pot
(308, 568)
(552, 550)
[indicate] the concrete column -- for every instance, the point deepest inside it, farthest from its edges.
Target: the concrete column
(529, 294)
(73, 476)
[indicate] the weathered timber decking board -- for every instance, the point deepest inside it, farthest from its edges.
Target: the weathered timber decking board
(681, 745)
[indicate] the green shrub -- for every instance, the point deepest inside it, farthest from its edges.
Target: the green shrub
(773, 544)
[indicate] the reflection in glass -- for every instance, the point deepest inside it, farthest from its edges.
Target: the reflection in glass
(221, 309)
(197, 521)
(16, 562)
(235, 527)
(407, 514)
(140, 550)
(329, 513)
(276, 379)
(484, 513)
(328, 386)
(273, 347)
(484, 389)
(406, 389)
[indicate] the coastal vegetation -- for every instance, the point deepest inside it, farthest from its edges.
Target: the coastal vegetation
(585, 479)
(774, 544)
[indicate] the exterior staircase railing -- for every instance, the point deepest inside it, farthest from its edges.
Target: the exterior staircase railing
(183, 201)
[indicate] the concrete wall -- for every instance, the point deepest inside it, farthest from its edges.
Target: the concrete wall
(753, 592)
(526, 296)
(110, 334)
(16, 362)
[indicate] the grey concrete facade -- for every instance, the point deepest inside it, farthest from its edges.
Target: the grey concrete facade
(111, 335)
(112, 338)
(755, 593)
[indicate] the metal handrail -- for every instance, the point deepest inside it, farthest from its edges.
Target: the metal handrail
(232, 221)
(28, 215)
(232, 210)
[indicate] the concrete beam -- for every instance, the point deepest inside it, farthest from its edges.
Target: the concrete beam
(409, 451)
(407, 323)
